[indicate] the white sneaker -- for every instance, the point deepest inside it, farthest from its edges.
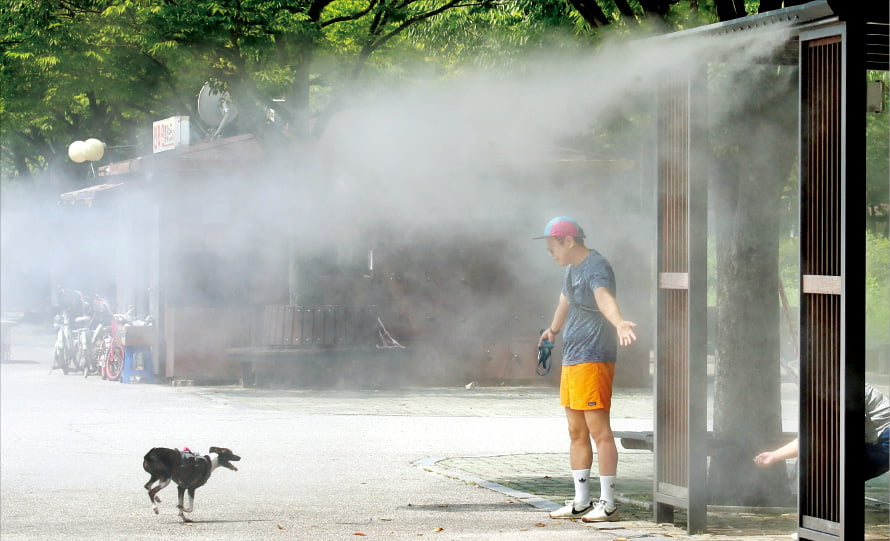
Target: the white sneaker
(601, 513)
(571, 510)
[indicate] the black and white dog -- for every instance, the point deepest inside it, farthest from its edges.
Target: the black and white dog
(187, 469)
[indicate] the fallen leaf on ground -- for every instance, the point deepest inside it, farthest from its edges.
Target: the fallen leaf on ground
(439, 530)
(280, 527)
(358, 533)
(386, 519)
(541, 525)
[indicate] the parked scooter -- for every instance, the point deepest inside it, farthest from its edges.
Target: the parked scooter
(64, 346)
(70, 350)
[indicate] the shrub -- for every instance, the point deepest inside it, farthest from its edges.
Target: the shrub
(877, 288)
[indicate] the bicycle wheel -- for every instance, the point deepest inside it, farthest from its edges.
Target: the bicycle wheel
(81, 359)
(114, 365)
(60, 360)
(98, 354)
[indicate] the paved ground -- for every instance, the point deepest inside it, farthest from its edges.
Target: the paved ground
(484, 463)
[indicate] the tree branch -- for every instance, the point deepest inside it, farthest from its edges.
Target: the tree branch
(726, 10)
(73, 8)
(374, 45)
(657, 7)
(626, 10)
(357, 15)
(314, 11)
(591, 12)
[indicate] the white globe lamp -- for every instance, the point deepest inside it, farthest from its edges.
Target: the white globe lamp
(94, 149)
(77, 151)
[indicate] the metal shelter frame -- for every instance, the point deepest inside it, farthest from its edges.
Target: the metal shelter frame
(833, 45)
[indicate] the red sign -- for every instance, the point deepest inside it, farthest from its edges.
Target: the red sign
(170, 133)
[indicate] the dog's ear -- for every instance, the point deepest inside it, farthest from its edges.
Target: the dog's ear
(214, 450)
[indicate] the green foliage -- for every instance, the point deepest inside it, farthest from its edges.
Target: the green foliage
(877, 156)
(877, 290)
(107, 68)
(62, 79)
(494, 37)
(789, 269)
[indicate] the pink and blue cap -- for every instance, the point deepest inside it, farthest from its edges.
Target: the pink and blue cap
(562, 226)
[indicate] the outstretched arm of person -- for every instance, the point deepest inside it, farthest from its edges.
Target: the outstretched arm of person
(559, 319)
(789, 450)
(609, 307)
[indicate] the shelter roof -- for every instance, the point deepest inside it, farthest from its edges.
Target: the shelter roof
(874, 15)
(222, 155)
(87, 196)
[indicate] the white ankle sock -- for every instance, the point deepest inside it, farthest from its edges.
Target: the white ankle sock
(582, 486)
(607, 484)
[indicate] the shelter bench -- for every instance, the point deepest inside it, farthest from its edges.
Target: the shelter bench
(317, 346)
(645, 440)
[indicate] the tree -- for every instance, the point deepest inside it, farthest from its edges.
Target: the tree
(111, 66)
(747, 197)
(746, 194)
(878, 162)
(63, 79)
(298, 58)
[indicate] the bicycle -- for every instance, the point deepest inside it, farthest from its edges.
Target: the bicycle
(112, 355)
(81, 349)
(69, 352)
(101, 318)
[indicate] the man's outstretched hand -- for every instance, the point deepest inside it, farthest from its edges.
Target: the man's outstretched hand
(626, 334)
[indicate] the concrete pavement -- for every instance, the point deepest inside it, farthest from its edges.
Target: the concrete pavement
(485, 463)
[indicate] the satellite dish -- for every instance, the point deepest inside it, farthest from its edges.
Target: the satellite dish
(215, 109)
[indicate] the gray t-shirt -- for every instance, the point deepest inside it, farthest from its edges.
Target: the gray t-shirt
(588, 337)
(877, 413)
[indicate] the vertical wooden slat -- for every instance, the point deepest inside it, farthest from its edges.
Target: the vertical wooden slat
(829, 379)
(680, 455)
(285, 326)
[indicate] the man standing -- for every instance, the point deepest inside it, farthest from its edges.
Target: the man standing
(589, 315)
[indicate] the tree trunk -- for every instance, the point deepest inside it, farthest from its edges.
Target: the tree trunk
(298, 94)
(748, 183)
(591, 12)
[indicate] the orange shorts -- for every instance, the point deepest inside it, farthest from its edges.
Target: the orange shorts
(587, 386)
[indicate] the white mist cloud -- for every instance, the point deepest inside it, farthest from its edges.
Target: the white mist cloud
(430, 153)
(480, 156)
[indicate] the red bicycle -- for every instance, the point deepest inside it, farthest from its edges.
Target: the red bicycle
(113, 351)
(108, 348)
